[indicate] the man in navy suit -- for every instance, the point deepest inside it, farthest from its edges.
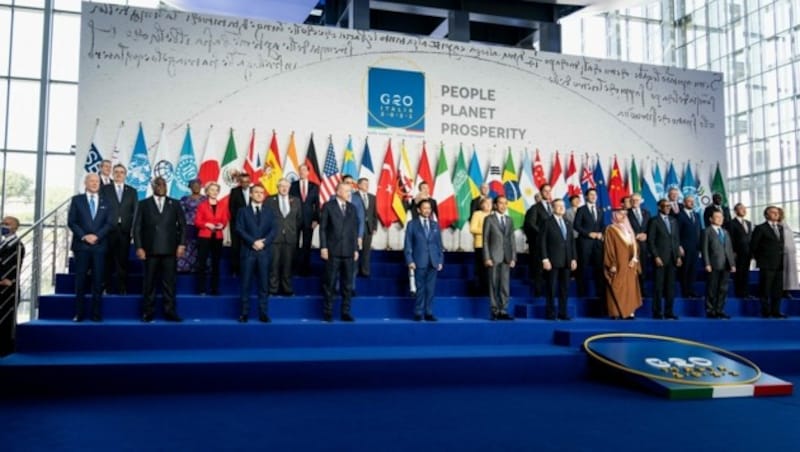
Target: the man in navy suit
(689, 226)
(663, 243)
(338, 242)
(590, 225)
(308, 194)
(767, 247)
(255, 225)
(89, 219)
(123, 199)
(158, 235)
(638, 217)
(424, 256)
(558, 260)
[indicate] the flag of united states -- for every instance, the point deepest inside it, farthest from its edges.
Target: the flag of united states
(330, 175)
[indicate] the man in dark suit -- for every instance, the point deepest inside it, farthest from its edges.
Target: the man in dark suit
(499, 256)
(12, 252)
(238, 198)
(638, 217)
(716, 206)
(535, 217)
(370, 225)
(256, 226)
(767, 247)
(717, 253)
(689, 232)
(122, 199)
(308, 194)
(424, 255)
(558, 260)
(663, 244)
(288, 215)
(158, 235)
(338, 241)
(741, 230)
(90, 218)
(590, 225)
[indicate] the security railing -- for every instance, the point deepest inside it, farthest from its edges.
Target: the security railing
(47, 244)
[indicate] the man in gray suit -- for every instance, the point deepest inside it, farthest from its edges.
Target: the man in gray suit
(288, 214)
(500, 256)
(717, 251)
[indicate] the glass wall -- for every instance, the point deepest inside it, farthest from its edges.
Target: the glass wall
(754, 44)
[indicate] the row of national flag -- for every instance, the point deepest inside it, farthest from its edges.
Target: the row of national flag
(395, 184)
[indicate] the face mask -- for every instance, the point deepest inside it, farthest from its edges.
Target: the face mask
(5, 230)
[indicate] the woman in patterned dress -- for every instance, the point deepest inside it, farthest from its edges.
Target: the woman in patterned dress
(188, 262)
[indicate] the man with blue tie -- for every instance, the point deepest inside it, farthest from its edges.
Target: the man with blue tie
(663, 243)
(558, 260)
(590, 224)
(90, 220)
(717, 251)
(255, 225)
(424, 256)
(689, 223)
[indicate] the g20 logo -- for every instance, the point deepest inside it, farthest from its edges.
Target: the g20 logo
(688, 363)
(396, 99)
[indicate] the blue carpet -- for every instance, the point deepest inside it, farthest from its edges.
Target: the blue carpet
(588, 416)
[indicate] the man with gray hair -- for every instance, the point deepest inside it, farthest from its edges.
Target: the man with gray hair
(288, 215)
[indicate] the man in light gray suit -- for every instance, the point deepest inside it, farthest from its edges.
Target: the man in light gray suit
(717, 251)
(500, 256)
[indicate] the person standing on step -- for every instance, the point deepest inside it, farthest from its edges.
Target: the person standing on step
(123, 200)
(424, 255)
(535, 217)
(589, 223)
(90, 219)
(158, 234)
(308, 194)
(621, 267)
(767, 245)
(238, 198)
(476, 228)
(741, 230)
(288, 214)
(370, 225)
(717, 252)
(663, 243)
(12, 253)
(638, 218)
(210, 220)
(790, 282)
(499, 257)
(558, 260)
(338, 241)
(256, 228)
(689, 225)
(189, 203)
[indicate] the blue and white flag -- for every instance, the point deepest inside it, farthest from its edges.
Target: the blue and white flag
(185, 170)
(367, 171)
(650, 194)
(93, 160)
(139, 172)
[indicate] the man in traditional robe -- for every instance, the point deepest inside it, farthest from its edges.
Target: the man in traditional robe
(621, 268)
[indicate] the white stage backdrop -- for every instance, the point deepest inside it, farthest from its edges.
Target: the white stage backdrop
(178, 69)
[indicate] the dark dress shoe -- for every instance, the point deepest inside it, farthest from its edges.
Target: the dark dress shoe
(264, 318)
(172, 317)
(288, 293)
(712, 315)
(671, 317)
(327, 318)
(550, 317)
(615, 318)
(658, 316)
(504, 316)
(147, 318)
(631, 317)
(493, 317)
(564, 317)
(123, 292)
(417, 318)
(243, 318)
(213, 292)
(779, 315)
(724, 316)
(97, 318)
(346, 317)
(78, 318)
(431, 318)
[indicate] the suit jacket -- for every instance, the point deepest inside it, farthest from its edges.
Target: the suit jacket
(715, 253)
(251, 228)
(424, 250)
(741, 236)
(9, 250)
(159, 233)
(535, 217)
(726, 215)
(80, 222)
(370, 212)
(559, 250)
(689, 233)
(286, 227)
(236, 201)
(638, 227)
(586, 224)
(338, 232)
(125, 210)
(661, 242)
(310, 204)
(569, 215)
(205, 214)
(767, 248)
(412, 206)
(498, 242)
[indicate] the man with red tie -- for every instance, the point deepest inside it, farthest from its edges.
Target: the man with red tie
(308, 194)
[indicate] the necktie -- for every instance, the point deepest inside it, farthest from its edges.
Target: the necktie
(503, 222)
(92, 206)
(691, 216)
(666, 222)
(160, 203)
(721, 235)
(119, 193)
(341, 206)
(425, 225)
(594, 214)
(777, 230)
(284, 206)
(638, 215)
(547, 207)
(258, 215)
(303, 189)
(366, 200)
(563, 228)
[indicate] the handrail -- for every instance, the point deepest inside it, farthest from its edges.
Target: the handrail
(42, 220)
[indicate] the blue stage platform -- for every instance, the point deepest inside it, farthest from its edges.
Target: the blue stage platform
(383, 347)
